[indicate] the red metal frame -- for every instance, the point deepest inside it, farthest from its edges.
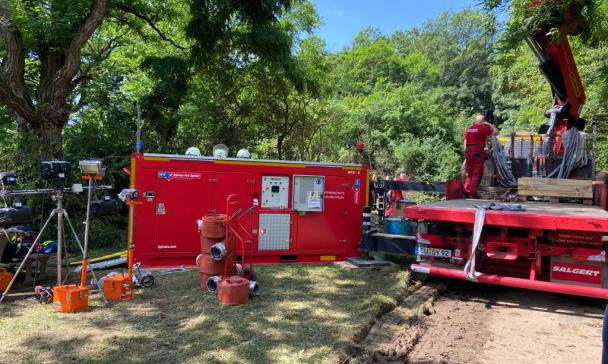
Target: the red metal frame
(233, 224)
(521, 249)
(515, 282)
(164, 228)
(517, 219)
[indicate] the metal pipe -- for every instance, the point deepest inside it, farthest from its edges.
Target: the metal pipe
(254, 289)
(67, 218)
(212, 283)
(87, 224)
(59, 199)
(515, 282)
(218, 251)
(536, 49)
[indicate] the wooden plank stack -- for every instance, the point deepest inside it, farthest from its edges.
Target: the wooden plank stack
(555, 188)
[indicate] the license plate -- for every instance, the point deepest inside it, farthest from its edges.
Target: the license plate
(434, 252)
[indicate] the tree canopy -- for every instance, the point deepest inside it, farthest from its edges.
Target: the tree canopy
(253, 74)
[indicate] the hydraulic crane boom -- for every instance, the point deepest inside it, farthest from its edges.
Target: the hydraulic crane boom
(550, 45)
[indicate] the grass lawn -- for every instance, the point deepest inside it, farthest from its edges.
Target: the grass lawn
(304, 312)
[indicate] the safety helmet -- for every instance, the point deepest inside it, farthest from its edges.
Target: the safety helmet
(193, 151)
(243, 153)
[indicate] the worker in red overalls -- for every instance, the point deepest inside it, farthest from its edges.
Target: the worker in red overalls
(475, 137)
(396, 195)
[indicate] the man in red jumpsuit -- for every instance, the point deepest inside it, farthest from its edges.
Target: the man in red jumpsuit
(475, 137)
(396, 195)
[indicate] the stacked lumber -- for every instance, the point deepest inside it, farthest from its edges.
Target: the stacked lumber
(555, 187)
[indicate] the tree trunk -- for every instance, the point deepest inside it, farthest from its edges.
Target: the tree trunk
(280, 140)
(50, 135)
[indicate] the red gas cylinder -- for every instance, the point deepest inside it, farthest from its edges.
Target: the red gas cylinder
(214, 226)
(233, 291)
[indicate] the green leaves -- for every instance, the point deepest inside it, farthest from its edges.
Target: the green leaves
(242, 25)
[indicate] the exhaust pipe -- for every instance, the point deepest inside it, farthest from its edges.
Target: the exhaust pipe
(212, 283)
(254, 289)
(218, 251)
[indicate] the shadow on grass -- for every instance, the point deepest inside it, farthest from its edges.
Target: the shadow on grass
(303, 314)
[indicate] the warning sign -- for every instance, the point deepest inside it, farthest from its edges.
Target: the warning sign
(334, 195)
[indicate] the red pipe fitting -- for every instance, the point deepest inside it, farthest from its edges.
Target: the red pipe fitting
(233, 291)
(214, 226)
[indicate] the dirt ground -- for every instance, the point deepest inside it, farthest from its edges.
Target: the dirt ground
(474, 323)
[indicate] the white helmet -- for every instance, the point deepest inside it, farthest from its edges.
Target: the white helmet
(220, 151)
(193, 151)
(243, 153)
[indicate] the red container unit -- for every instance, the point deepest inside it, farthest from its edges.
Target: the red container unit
(305, 212)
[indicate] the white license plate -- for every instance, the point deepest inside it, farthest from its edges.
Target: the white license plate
(434, 252)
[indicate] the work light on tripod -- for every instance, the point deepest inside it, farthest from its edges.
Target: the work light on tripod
(91, 167)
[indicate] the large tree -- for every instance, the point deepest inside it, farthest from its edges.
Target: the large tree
(42, 104)
(44, 71)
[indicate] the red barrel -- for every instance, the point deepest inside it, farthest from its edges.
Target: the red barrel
(233, 291)
(214, 226)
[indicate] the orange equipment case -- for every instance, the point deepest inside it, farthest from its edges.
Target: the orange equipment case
(319, 222)
(70, 298)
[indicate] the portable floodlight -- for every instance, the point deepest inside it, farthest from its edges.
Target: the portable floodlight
(92, 167)
(51, 170)
(8, 179)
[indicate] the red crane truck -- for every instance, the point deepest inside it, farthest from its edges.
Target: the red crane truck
(554, 247)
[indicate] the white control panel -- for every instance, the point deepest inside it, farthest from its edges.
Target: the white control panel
(275, 192)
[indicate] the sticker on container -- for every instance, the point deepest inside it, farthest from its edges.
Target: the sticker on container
(171, 176)
(356, 186)
(160, 209)
(314, 200)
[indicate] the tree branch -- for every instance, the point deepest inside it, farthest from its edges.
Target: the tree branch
(98, 55)
(18, 105)
(88, 26)
(14, 63)
(13, 90)
(151, 23)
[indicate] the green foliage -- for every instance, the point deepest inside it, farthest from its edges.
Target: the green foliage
(549, 15)
(48, 23)
(250, 74)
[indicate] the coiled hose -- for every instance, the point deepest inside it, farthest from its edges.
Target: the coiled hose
(505, 175)
(575, 155)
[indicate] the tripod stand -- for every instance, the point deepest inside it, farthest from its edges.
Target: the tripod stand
(62, 215)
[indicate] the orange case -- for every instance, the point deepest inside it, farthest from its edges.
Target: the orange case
(5, 278)
(70, 298)
(117, 287)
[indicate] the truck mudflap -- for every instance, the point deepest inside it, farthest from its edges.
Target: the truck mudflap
(562, 288)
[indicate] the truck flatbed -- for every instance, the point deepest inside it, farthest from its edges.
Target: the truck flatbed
(538, 215)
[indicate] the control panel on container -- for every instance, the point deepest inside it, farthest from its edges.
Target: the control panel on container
(275, 192)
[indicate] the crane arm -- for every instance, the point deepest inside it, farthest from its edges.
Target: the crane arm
(551, 47)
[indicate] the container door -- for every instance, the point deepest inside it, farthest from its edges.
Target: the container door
(145, 215)
(182, 198)
(325, 231)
